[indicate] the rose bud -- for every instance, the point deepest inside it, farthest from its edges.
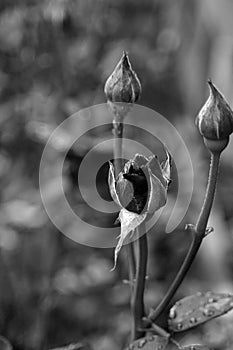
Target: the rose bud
(140, 189)
(215, 120)
(123, 84)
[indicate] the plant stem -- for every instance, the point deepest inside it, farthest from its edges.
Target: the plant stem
(132, 267)
(198, 231)
(118, 135)
(138, 296)
(209, 197)
(118, 127)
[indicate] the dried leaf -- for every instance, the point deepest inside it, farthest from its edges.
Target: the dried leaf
(153, 342)
(129, 222)
(199, 308)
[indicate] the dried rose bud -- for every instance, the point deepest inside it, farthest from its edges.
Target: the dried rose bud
(140, 189)
(123, 84)
(215, 119)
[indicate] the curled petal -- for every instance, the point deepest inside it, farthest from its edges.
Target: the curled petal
(156, 169)
(137, 162)
(140, 160)
(129, 222)
(124, 191)
(157, 194)
(112, 184)
(166, 168)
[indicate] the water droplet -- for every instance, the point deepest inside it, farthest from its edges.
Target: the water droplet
(212, 300)
(208, 312)
(141, 343)
(131, 347)
(193, 320)
(192, 347)
(172, 314)
(160, 347)
(151, 338)
(179, 326)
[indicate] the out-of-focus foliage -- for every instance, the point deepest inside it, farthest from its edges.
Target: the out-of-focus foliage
(55, 56)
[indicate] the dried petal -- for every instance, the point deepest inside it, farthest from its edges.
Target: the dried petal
(133, 184)
(140, 189)
(139, 160)
(129, 222)
(166, 168)
(125, 191)
(112, 184)
(157, 194)
(156, 169)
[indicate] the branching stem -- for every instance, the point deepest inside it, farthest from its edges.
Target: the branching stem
(198, 231)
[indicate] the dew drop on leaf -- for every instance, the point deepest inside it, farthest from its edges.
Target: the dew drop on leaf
(180, 326)
(172, 313)
(142, 343)
(152, 342)
(198, 308)
(208, 312)
(211, 300)
(193, 320)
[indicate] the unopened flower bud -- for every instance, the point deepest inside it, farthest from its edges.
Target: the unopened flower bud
(215, 120)
(123, 84)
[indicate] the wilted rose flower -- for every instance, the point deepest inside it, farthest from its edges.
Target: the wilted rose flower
(123, 84)
(215, 119)
(140, 189)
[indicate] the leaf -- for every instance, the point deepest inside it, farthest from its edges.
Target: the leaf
(199, 308)
(152, 342)
(129, 222)
(194, 347)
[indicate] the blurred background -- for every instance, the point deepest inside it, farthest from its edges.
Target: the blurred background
(55, 56)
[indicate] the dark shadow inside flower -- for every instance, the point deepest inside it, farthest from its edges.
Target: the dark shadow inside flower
(139, 183)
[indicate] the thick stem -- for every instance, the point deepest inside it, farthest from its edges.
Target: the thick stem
(198, 234)
(138, 296)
